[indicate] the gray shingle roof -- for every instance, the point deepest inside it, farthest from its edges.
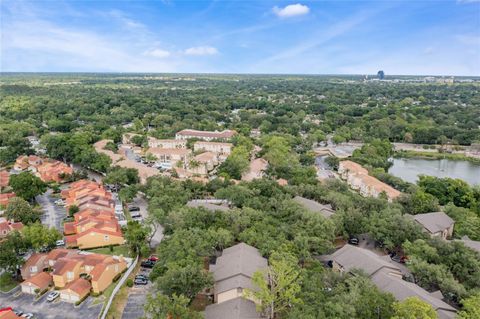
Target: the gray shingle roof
(239, 259)
(434, 222)
(402, 289)
(351, 257)
(238, 308)
(315, 207)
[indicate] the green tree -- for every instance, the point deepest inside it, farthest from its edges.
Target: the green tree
(471, 307)
(120, 176)
(27, 186)
(136, 236)
(413, 308)
(37, 236)
(236, 164)
(160, 306)
(10, 249)
(127, 194)
(188, 280)
(19, 210)
(72, 210)
(278, 286)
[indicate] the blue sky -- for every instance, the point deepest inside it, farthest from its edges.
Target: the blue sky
(302, 37)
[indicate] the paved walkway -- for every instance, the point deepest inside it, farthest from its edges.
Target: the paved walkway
(136, 300)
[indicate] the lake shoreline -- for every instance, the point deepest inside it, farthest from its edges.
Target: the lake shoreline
(435, 156)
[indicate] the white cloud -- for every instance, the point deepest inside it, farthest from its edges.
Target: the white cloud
(201, 50)
(291, 10)
(157, 53)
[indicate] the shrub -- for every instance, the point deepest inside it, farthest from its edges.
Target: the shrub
(129, 282)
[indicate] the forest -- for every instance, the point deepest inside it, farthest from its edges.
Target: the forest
(70, 112)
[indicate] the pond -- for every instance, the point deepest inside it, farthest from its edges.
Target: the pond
(409, 168)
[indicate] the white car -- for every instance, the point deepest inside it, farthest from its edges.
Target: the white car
(60, 242)
(27, 315)
(52, 296)
(59, 202)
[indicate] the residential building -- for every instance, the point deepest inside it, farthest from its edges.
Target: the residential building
(156, 143)
(256, 170)
(358, 179)
(386, 276)
(53, 171)
(34, 265)
(232, 273)
(203, 163)
(237, 308)
(205, 135)
(67, 265)
(6, 227)
(436, 224)
(47, 170)
(76, 291)
(95, 224)
(5, 198)
(7, 313)
(234, 270)
(214, 147)
(315, 207)
(4, 178)
(94, 234)
(170, 157)
(37, 283)
(82, 188)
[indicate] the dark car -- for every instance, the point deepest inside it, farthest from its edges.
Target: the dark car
(141, 277)
(133, 208)
(353, 241)
(330, 263)
(140, 281)
(147, 264)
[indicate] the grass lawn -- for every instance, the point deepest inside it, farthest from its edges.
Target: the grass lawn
(6, 282)
(116, 250)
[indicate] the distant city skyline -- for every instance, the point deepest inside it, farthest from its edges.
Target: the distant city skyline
(267, 37)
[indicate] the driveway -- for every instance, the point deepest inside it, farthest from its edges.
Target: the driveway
(53, 215)
(45, 310)
(137, 297)
(142, 203)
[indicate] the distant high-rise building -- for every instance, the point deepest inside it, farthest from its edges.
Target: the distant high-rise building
(381, 75)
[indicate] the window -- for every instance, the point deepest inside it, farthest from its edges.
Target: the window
(70, 275)
(33, 269)
(105, 238)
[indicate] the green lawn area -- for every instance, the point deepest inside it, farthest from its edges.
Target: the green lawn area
(6, 282)
(116, 250)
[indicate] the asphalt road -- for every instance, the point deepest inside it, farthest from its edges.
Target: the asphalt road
(52, 214)
(42, 309)
(136, 300)
(142, 203)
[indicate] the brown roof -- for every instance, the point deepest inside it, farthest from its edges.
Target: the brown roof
(63, 265)
(8, 314)
(79, 286)
(4, 178)
(353, 167)
(167, 151)
(379, 186)
(213, 143)
(33, 260)
(210, 134)
(205, 157)
(58, 253)
(41, 280)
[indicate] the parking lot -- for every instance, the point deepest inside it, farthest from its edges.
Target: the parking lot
(53, 214)
(43, 309)
(136, 299)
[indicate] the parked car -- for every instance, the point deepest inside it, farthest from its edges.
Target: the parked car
(141, 276)
(147, 264)
(134, 208)
(18, 312)
(140, 281)
(399, 259)
(353, 241)
(27, 315)
(52, 296)
(60, 242)
(59, 202)
(153, 258)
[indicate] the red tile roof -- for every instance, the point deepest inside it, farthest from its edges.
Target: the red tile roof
(79, 286)
(41, 280)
